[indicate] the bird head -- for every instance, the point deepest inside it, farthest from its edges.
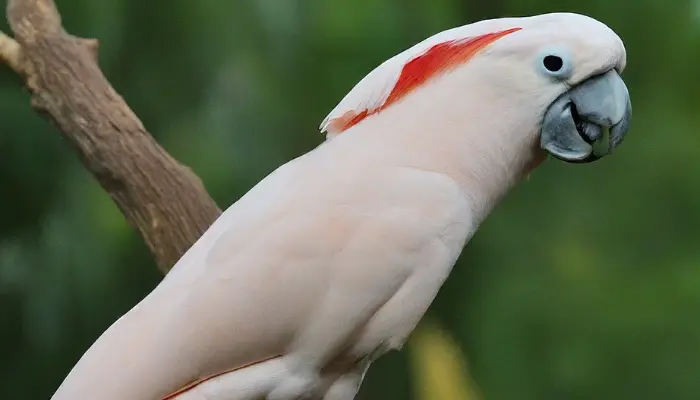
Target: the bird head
(553, 79)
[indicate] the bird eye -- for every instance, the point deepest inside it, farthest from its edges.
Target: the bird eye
(555, 62)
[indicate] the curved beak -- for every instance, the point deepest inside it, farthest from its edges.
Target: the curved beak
(588, 121)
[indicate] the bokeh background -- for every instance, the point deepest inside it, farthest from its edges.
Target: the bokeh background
(584, 283)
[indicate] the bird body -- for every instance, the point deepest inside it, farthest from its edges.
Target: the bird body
(332, 259)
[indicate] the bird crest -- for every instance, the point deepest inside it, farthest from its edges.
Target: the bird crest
(400, 75)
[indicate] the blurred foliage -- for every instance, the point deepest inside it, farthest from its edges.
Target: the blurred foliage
(583, 283)
(439, 369)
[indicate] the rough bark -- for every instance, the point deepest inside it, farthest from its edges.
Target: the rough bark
(161, 198)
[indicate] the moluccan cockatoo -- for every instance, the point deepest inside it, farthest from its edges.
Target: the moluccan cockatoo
(332, 259)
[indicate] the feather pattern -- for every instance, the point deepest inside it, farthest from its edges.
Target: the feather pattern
(400, 75)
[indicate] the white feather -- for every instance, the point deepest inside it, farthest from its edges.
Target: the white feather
(371, 92)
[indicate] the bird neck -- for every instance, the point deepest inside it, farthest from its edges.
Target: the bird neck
(481, 143)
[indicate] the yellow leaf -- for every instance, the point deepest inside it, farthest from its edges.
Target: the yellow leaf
(439, 367)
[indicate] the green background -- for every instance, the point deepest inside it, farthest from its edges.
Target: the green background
(583, 284)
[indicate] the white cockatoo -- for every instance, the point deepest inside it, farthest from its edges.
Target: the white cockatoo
(333, 258)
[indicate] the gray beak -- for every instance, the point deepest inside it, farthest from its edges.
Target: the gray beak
(588, 121)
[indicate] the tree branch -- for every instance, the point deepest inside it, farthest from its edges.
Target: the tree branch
(161, 198)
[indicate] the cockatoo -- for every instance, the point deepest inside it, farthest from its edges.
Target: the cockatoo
(332, 259)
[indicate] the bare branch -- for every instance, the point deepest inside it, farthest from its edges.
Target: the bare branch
(162, 199)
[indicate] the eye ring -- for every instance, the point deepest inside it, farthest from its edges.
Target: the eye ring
(555, 62)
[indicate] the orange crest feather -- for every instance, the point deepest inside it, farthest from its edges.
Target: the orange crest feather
(438, 59)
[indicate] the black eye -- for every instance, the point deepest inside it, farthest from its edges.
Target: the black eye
(553, 63)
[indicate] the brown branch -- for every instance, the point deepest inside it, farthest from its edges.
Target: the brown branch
(162, 199)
